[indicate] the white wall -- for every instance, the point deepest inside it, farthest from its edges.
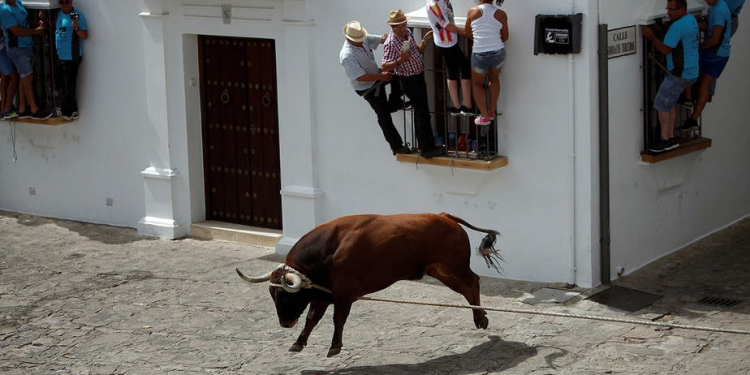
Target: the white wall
(75, 167)
(658, 208)
(530, 201)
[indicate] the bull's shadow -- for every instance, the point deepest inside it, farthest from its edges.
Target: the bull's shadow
(494, 355)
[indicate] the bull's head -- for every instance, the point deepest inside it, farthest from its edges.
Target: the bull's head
(287, 294)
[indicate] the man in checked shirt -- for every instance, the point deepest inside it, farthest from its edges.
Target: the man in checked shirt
(406, 61)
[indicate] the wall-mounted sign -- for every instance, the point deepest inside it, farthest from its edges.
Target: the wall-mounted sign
(558, 34)
(621, 42)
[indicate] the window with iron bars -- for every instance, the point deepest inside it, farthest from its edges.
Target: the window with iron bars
(654, 71)
(461, 137)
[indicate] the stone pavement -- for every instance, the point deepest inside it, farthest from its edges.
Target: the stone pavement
(78, 298)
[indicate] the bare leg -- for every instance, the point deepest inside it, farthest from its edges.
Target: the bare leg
(494, 89)
(27, 94)
(314, 314)
(480, 97)
(453, 91)
(666, 119)
(704, 84)
(10, 91)
(466, 91)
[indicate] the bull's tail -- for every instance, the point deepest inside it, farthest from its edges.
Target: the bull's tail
(487, 247)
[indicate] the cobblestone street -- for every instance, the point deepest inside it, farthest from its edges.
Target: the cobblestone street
(79, 298)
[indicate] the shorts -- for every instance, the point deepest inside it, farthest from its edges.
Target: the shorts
(23, 59)
(482, 62)
(457, 64)
(6, 66)
(712, 64)
(670, 91)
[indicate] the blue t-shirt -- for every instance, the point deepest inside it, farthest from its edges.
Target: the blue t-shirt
(15, 16)
(67, 42)
(718, 14)
(735, 6)
(683, 37)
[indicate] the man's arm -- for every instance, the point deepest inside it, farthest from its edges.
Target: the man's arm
(660, 46)
(80, 30)
(384, 76)
(22, 31)
(716, 33)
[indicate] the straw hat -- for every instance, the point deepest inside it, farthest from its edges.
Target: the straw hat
(355, 32)
(397, 17)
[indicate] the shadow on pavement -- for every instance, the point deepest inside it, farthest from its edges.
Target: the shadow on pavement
(492, 356)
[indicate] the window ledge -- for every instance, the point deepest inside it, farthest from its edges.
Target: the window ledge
(685, 148)
(52, 121)
(446, 161)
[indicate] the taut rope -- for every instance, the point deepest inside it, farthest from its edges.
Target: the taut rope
(565, 315)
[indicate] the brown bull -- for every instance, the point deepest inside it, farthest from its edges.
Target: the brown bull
(349, 257)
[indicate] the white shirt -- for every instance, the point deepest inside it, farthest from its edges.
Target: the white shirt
(440, 14)
(486, 30)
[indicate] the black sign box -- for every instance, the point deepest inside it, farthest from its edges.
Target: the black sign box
(558, 34)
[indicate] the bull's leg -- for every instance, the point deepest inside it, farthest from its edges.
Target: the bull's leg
(314, 314)
(340, 313)
(464, 282)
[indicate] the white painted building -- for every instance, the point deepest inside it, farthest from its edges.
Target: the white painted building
(135, 158)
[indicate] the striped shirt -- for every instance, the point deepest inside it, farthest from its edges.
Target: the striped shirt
(358, 61)
(392, 50)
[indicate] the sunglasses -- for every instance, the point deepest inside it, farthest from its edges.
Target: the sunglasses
(64, 2)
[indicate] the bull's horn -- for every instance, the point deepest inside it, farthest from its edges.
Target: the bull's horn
(291, 283)
(250, 279)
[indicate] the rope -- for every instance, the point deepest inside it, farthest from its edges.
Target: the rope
(565, 315)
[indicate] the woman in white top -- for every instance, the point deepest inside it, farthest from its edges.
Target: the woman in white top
(488, 26)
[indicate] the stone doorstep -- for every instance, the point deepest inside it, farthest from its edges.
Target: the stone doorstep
(216, 230)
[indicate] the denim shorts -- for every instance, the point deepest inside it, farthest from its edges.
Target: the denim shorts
(23, 59)
(712, 64)
(670, 91)
(482, 62)
(6, 66)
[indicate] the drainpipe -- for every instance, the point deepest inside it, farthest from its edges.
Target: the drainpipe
(572, 132)
(604, 193)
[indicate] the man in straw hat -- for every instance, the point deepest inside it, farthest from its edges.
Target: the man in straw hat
(403, 56)
(368, 80)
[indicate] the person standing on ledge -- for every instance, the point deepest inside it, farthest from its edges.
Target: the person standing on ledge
(368, 80)
(681, 47)
(70, 31)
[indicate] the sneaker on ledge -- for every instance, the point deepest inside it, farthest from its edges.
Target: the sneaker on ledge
(453, 111)
(481, 120)
(401, 150)
(466, 111)
(672, 144)
(41, 115)
(437, 151)
(690, 124)
(24, 114)
(660, 146)
(9, 114)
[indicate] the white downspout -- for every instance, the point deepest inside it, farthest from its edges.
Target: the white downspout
(572, 143)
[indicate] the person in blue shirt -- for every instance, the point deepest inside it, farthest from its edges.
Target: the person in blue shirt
(735, 7)
(70, 31)
(20, 43)
(681, 47)
(714, 55)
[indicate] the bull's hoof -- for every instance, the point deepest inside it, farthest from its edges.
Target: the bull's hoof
(482, 323)
(296, 348)
(333, 351)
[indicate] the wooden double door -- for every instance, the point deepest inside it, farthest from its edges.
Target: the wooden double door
(240, 131)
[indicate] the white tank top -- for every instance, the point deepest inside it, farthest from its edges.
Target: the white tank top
(486, 30)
